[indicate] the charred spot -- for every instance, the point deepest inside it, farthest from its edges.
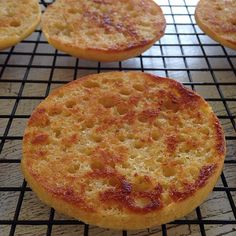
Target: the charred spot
(70, 140)
(102, 172)
(148, 115)
(171, 144)
(220, 143)
(133, 201)
(189, 189)
(205, 174)
(103, 1)
(40, 139)
(39, 118)
(177, 195)
(126, 187)
(107, 20)
(107, 157)
(69, 195)
(187, 97)
(129, 117)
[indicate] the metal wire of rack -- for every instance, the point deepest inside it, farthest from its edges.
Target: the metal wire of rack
(184, 53)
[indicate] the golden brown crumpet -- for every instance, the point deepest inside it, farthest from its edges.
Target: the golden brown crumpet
(123, 150)
(18, 19)
(217, 19)
(103, 30)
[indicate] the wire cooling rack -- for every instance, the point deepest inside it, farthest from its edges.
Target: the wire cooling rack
(30, 70)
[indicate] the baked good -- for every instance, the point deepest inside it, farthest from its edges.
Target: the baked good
(123, 150)
(217, 19)
(103, 30)
(18, 19)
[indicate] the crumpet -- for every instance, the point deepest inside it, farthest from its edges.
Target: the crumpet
(18, 19)
(123, 150)
(217, 19)
(103, 30)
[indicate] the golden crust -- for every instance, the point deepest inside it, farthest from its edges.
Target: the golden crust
(123, 150)
(218, 20)
(18, 19)
(103, 30)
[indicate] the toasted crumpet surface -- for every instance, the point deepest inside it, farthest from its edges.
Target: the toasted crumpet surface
(18, 19)
(217, 19)
(103, 30)
(123, 150)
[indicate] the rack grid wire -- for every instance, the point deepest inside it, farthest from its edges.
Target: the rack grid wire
(30, 70)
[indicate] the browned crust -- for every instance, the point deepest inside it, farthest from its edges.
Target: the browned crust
(115, 52)
(102, 55)
(210, 29)
(73, 203)
(12, 40)
(170, 213)
(220, 146)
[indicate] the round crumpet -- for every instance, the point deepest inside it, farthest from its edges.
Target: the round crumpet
(18, 19)
(103, 30)
(217, 19)
(123, 150)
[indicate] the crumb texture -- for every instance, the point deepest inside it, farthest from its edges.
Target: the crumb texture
(17, 20)
(218, 19)
(103, 25)
(123, 144)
